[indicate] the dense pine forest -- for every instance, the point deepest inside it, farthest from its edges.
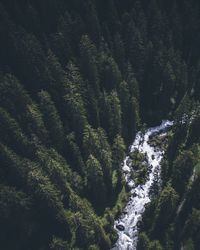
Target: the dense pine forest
(78, 79)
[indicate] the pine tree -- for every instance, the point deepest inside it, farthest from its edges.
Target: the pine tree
(114, 114)
(110, 74)
(52, 120)
(165, 209)
(73, 154)
(118, 150)
(75, 113)
(88, 53)
(89, 67)
(13, 136)
(94, 181)
(92, 21)
(119, 52)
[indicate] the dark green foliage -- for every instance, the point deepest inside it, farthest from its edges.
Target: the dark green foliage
(114, 114)
(182, 170)
(110, 74)
(52, 120)
(191, 229)
(176, 210)
(165, 208)
(77, 78)
(94, 181)
(59, 244)
(15, 217)
(73, 155)
(12, 135)
(143, 242)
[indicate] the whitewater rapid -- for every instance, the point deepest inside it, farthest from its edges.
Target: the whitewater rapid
(132, 214)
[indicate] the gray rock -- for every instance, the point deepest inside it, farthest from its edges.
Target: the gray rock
(120, 227)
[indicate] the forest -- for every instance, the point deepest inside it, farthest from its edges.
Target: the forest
(78, 80)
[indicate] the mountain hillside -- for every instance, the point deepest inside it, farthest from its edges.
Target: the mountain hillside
(78, 79)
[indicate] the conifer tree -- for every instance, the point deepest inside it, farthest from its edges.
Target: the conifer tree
(52, 120)
(94, 181)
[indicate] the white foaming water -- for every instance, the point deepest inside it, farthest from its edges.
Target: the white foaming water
(135, 207)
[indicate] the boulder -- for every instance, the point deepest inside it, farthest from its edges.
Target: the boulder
(139, 224)
(120, 227)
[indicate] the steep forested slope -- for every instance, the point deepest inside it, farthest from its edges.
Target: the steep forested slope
(172, 219)
(77, 79)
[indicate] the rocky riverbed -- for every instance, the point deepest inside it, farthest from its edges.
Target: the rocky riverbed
(141, 169)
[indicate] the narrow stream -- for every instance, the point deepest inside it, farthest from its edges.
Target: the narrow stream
(127, 224)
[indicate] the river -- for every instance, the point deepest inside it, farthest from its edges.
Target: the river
(127, 224)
